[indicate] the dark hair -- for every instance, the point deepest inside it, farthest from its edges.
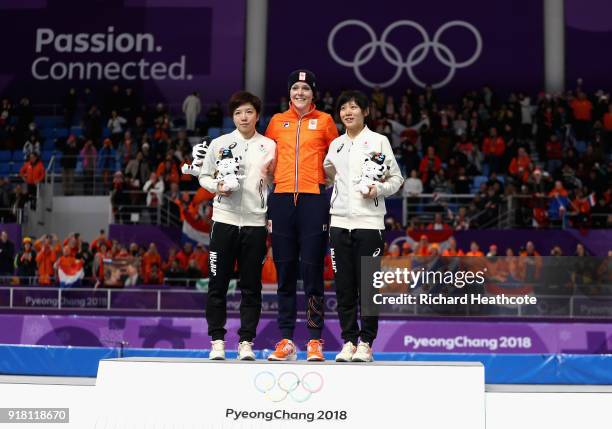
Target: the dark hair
(358, 97)
(243, 97)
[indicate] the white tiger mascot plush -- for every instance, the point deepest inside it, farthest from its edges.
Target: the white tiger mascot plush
(372, 171)
(227, 171)
(198, 153)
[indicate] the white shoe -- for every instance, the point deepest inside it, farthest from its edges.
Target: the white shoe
(217, 350)
(363, 353)
(347, 352)
(245, 351)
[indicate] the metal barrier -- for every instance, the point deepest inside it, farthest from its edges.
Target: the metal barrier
(182, 300)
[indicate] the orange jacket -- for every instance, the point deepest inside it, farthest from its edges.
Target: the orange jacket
(582, 109)
(32, 174)
(493, 146)
(148, 260)
(268, 271)
(301, 146)
(45, 260)
(201, 259)
(449, 252)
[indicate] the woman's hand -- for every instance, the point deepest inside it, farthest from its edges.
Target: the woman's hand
(372, 193)
(221, 192)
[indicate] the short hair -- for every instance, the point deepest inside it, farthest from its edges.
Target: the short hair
(244, 97)
(358, 97)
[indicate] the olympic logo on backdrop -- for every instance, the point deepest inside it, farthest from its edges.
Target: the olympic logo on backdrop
(415, 57)
(288, 384)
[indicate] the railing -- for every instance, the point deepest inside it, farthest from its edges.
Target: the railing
(513, 211)
(138, 212)
(177, 300)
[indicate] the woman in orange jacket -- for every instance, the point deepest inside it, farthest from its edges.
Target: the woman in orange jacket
(298, 210)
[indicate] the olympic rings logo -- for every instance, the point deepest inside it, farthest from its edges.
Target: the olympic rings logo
(415, 57)
(288, 384)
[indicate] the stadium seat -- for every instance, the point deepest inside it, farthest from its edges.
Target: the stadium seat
(5, 169)
(17, 156)
(46, 156)
(49, 144)
(214, 132)
(77, 131)
(228, 122)
(5, 156)
(48, 121)
(479, 180)
(227, 130)
(61, 133)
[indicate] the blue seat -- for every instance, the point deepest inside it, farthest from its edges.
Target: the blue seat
(48, 121)
(49, 144)
(479, 180)
(77, 131)
(5, 169)
(17, 156)
(227, 130)
(46, 156)
(228, 122)
(61, 132)
(15, 166)
(47, 133)
(214, 132)
(5, 155)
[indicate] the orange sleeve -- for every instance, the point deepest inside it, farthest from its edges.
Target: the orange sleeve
(331, 130)
(272, 130)
(23, 169)
(39, 172)
(160, 169)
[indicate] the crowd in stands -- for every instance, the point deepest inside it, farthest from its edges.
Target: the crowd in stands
(552, 152)
(36, 261)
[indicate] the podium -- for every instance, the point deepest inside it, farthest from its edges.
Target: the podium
(198, 393)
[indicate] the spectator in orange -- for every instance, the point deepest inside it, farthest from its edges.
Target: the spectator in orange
(184, 255)
(171, 258)
(73, 241)
(493, 148)
(430, 165)
(452, 249)
(558, 191)
(394, 251)
(154, 276)
(168, 171)
(607, 119)
(438, 224)
(200, 256)
(45, 259)
(99, 240)
(519, 167)
(422, 249)
(582, 109)
(474, 250)
(150, 258)
(530, 263)
(406, 249)
(33, 172)
(98, 263)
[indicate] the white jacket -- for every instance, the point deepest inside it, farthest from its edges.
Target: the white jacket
(248, 205)
(343, 164)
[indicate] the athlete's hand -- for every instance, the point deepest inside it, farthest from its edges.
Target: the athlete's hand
(372, 193)
(222, 192)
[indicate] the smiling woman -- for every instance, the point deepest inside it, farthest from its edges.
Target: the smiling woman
(299, 210)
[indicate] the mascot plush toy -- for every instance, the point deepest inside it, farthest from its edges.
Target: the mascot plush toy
(372, 171)
(198, 153)
(227, 171)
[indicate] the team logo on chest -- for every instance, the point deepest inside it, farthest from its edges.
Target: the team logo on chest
(312, 124)
(285, 124)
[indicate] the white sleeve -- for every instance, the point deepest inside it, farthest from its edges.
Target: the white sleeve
(328, 165)
(208, 169)
(394, 179)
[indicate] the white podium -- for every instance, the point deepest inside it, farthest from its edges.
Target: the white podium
(197, 393)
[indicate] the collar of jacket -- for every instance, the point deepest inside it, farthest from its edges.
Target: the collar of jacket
(359, 136)
(238, 137)
(295, 113)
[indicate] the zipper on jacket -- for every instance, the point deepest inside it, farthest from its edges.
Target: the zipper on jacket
(261, 193)
(334, 196)
(297, 156)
